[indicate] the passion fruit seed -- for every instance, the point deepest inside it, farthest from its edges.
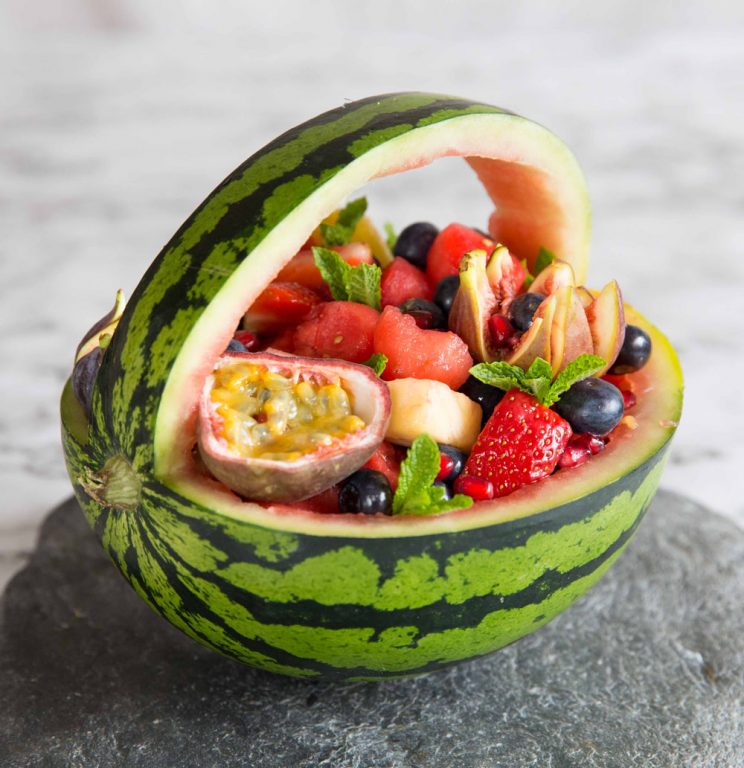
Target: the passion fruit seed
(270, 416)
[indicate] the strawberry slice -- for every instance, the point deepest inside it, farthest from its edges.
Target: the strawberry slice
(281, 304)
(520, 444)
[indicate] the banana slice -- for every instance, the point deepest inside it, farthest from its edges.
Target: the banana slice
(423, 405)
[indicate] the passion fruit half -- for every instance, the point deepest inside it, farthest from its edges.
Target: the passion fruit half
(279, 429)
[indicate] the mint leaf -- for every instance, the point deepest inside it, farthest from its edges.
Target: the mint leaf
(416, 493)
(352, 213)
(529, 278)
(341, 232)
(536, 380)
(333, 270)
(363, 285)
(378, 362)
(437, 504)
(499, 374)
(360, 284)
(544, 259)
(539, 368)
(417, 472)
(580, 368)
(390, 235)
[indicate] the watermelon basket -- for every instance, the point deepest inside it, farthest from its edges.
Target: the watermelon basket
(346, 597)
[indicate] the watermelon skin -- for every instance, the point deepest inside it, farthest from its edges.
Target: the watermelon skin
(358, 608)
(314, 595)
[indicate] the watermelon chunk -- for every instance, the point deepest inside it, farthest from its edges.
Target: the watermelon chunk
(402, 281)
(341, 329)
(386, 459)
(448, 248)
(419, 354)
(281, 304)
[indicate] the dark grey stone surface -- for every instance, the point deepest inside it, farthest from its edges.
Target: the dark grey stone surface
(648, 670)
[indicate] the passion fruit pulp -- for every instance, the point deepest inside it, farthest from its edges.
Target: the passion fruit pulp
(276, 428)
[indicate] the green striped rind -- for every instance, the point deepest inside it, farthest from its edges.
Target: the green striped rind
(351, 608)
(212, 243)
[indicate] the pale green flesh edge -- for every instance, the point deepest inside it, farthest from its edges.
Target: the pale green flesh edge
(503, 137)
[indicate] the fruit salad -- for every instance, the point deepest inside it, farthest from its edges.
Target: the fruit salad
(449, 374)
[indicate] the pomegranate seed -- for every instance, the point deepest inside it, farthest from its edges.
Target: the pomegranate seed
(446, 465)
(629, 399)
(247, 339)
(502, 331)
(581, 447)
(574, 455)
(588, 442)
(478, 488)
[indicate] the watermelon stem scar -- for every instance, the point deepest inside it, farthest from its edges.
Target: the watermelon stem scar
(116, 485)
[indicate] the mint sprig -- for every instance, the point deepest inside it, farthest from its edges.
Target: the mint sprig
(390, 235)
(341, 232)
(360, 284)
(529, 278)
(537, 379)
(378, 362)
(416, 493)
(544, 259)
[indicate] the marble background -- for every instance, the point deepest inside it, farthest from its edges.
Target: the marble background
(118, 116)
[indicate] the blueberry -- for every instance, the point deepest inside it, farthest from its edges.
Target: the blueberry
(236, 346)
(485, 395)
(634, 353)
(591, 405)
(367, 491)
(426, 313)
(458, 461)
(445, 292)
(523, 308)
(414, 241)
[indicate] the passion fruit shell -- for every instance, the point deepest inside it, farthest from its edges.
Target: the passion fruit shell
(271, 480)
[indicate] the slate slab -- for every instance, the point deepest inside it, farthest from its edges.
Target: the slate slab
(647, 670)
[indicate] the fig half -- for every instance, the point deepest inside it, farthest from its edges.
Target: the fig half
(277, 428)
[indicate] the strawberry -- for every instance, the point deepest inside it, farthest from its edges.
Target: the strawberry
(520, 444)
